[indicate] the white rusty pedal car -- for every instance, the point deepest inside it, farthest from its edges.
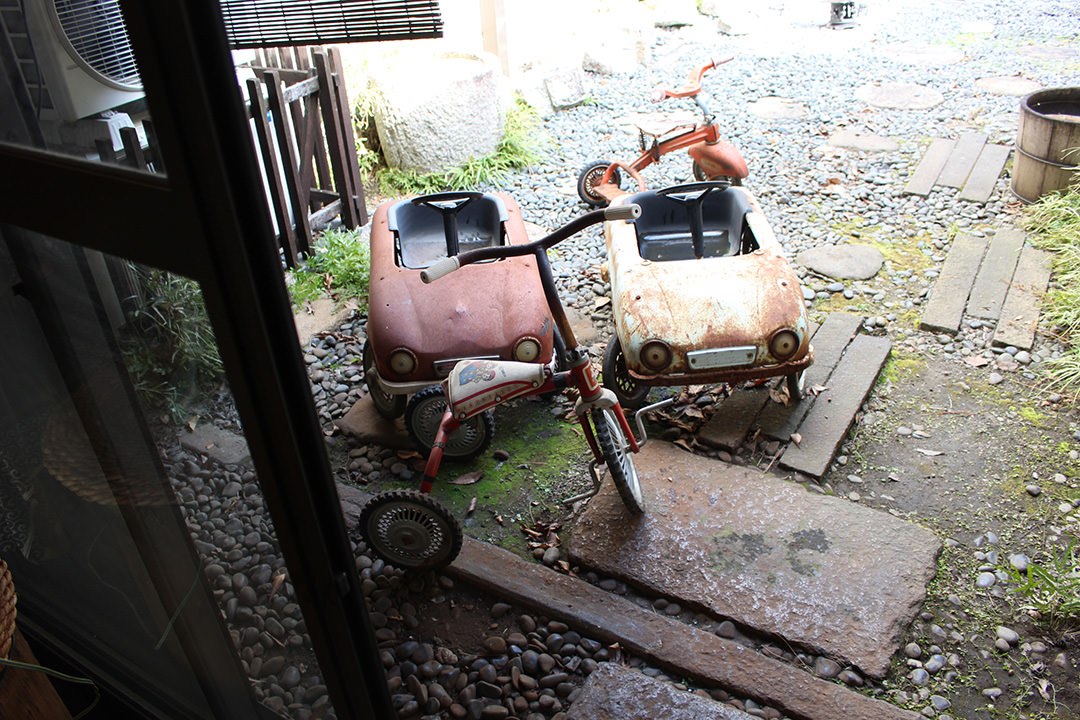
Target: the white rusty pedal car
(701, 293)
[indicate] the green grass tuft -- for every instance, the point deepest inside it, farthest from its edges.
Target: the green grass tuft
(338, 266)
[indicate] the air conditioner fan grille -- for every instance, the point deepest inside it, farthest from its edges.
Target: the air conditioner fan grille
(95, 30)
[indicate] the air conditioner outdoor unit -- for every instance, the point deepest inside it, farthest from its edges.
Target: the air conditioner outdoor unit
(82, 51)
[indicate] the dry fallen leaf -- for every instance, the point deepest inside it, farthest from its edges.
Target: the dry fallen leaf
(796, 438)
(472, 507)
(977, 361)
(468, 478)
(930, 453)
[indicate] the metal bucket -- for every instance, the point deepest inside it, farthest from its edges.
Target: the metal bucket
(1047, 143)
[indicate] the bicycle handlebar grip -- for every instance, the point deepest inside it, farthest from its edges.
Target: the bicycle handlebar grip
(630, 211)
(440, 269)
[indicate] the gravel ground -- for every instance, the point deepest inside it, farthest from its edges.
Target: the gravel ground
(450, 654)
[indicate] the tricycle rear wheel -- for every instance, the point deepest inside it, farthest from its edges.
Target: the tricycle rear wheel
(410, 530)
(423, 415)
(387, 404)
(618, 457)
(618, 379)
(590, 176)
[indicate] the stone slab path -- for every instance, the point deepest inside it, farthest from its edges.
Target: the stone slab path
(670, 643)
(996, 280)
(821, 572)
(968, 163)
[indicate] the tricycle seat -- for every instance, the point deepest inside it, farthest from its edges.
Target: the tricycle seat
(422, 236)
(664, 232)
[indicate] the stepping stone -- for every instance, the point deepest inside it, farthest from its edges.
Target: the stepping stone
(899, 96)
(777, 108)
(1020, 313)
(364, 423)
(734, 417)
(945, 307)
(962, 160)
(1010, 85)
(981, 182)
(821, 572)
(843, 262)
(866, 143)
(830, 341)
(614, 692)
(1048, 52)
(995, 274)
(221, 446)
(668, 642)
(926, 174)
(828, 421)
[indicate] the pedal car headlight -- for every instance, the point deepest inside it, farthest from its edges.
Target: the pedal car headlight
(527, 349)
(783, 344)
(655, 355)
(402, 361)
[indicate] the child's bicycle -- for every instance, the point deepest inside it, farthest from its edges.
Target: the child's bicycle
(600, 181)
(413, 530)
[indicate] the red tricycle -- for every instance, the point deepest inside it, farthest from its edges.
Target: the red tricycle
(413, 530)
(600, 181)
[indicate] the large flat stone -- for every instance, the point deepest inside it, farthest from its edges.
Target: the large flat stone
(222, 446)
(734, 417)
(364, 423)
(614, 692)
(821, 572)
(667, 642)
(843, 262)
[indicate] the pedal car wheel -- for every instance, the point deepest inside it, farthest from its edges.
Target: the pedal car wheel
(590, 177)
(388, 405)
(423, 415)
(796, 382)
(619, 458)
(617, 378)
(410, 530)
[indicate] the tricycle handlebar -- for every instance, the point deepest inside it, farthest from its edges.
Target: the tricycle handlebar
(628, 212)
(693, 81)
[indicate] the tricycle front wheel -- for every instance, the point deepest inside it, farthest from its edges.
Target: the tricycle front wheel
(387, 404)
(410, 530)
(701, 176)
(618, 379)
(423, 415)
(590, 176)
(619, 458)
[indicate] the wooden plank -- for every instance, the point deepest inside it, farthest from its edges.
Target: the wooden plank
(356, 209)
(995, 274)
(1020, 314)
(830, 341)
(133, 152)
(926, 173)
(278, 200)
(153, 146)
(962, 159)
(290, 165)
(827, 423)
(329, 102)
(734, 417)
(983, 179)
(307, 86)
(945, 307)
(309, 121)
(668, 642)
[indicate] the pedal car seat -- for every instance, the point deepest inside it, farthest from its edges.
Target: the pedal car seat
(663, 230)
(420, 237)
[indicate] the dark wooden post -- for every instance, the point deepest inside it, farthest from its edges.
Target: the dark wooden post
(272, 169)
(287, 146)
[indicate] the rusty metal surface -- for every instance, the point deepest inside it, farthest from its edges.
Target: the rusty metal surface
(706, 303)
(479, 310)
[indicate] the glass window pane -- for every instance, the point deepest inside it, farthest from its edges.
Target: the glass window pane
(72, 84)
(133, 521)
